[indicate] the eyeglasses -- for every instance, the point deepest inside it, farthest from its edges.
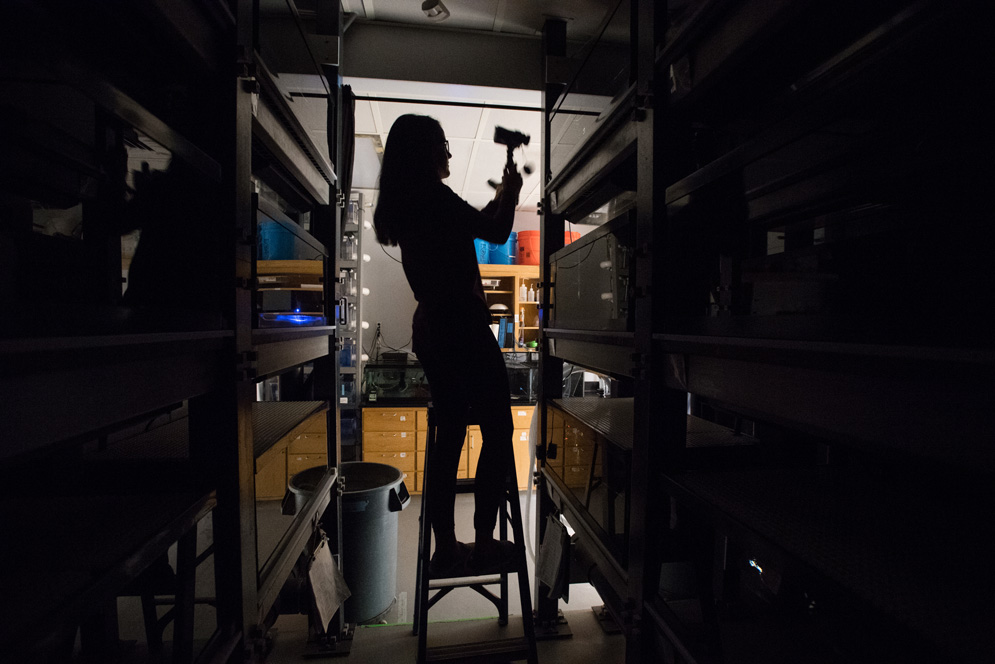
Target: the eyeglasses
(446, 145)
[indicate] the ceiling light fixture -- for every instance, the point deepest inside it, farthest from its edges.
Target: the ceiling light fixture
(435, 10)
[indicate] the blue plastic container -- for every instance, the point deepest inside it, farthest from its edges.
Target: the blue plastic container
(275, 242)
(504, 254)
(483, 250)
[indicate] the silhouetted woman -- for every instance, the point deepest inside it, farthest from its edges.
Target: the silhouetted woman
(451, 332)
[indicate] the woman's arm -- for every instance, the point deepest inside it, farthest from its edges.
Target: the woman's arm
(495, 221)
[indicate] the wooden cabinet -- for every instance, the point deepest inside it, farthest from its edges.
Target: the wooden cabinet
(304, 446)
(398, 437)
(271, 476)
(389, 438)
(502, 286)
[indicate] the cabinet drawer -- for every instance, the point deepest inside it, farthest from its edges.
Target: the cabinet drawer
(299, 462)
(403, 461)
(421, 419)
(309, 443)
(388, 419)
(389, 441)
(522, 416)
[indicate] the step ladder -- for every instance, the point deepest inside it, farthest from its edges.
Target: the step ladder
(499, 650)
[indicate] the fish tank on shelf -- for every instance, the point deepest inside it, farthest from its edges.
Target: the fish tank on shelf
(396, 378)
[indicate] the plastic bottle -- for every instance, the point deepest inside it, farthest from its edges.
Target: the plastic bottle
(523, 293)
(532, 294)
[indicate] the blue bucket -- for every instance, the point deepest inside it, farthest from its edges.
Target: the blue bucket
(483, 250)
(504, 254)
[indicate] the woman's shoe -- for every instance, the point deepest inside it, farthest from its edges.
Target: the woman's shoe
(492, 557)
(451, 562)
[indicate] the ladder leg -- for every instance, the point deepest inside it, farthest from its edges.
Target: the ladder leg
(524, 591)
(420, 622)
(503, 534)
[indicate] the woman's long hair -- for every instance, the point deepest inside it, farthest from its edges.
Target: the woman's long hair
(410, 165)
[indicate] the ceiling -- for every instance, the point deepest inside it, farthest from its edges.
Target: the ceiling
(518, 17)
(396, 45)
(476, 158)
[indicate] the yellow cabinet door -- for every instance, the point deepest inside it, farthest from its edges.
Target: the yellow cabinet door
(523, 469)
(271, 480)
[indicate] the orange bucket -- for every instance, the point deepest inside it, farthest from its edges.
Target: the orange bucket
(528, 245)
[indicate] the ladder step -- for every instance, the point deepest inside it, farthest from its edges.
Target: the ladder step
(460, 581)
(483, 652)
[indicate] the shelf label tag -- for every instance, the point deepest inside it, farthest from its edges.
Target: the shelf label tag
(403, 418)
(404, 434)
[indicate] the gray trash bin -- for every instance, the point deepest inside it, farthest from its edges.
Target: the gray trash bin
(374, 493)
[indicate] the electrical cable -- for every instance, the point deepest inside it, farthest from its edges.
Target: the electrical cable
(590, 248)
(384, 249)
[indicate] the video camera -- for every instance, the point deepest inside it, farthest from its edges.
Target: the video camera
(512, 139)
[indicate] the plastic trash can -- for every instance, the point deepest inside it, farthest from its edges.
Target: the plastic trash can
(374, 493)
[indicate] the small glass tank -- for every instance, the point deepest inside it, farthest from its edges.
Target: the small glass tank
(399, 378)
(393, 381)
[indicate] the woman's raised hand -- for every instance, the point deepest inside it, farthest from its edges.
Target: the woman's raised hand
(512, 181)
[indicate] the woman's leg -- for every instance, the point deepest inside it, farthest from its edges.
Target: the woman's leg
(451, 412)
(491, 406)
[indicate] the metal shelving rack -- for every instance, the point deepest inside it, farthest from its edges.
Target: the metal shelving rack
(350, 323)
(798, 195)
(138, 418)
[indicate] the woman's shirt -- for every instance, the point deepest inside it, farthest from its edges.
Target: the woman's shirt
(440, 261)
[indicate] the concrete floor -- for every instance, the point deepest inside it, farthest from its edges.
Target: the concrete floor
(461, 617)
